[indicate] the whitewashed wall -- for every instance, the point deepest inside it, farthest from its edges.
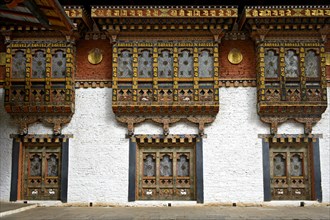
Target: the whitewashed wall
(98, 153)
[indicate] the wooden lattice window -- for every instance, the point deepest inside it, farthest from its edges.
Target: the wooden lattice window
(39, 78)
(169, 168)
(166, 172)
(175, 75)
(40, 168)
(291, 169)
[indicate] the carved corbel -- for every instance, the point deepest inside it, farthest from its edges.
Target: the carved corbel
(112, 35)
(259, 34)
(58, 122)
(201, 121)
(274, 122)
(166, 121)
(308, 123)
(130, 121)
(23, 123)
(325, 32)
(7, 35)
(217, 34)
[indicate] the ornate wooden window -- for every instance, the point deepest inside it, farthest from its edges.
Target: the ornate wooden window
(291, 168)
(39, 81)
(291, 82)
(152, 80)
(40, 168)
(166, 168)
(290, 171)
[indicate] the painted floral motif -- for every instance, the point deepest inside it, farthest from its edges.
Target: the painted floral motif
(19, 65)
(58, 64)
(311, 64)
(205, 63)
(165, 64)
(145, 64)
(271, 63)
(39, 65)
(185, 64)
(291, 64)
(125, 67)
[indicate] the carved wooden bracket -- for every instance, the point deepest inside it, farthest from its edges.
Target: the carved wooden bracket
(112, 35)
(217, 34)
(259, 34)
(57, 121)
(24, 121)
(201, 121)
(166, 121)
(308, 123)
(274, 122)
(130, 121)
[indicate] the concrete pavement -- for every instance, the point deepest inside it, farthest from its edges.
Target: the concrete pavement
(176, 213)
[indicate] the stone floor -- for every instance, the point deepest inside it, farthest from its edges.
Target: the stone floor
(175, 213)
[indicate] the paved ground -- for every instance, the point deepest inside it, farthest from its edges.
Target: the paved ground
(175, 213)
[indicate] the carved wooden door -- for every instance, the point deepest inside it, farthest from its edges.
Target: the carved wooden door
(290, 171)
(41, 171)
(166, 173)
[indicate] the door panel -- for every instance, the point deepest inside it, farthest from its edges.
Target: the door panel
(290, 171)
(41, 171)
(166, 173)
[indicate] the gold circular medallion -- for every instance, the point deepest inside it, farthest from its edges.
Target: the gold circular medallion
(95, 56)
(235, 56)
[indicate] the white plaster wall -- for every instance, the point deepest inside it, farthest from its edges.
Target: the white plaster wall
(6, 144)
(98, 153)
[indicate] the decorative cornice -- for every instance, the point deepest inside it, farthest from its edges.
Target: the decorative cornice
(93, 84)
(164, 11)
(286, 11)
(41, 138)
(224, 83)
(169, 139)
(290, 138)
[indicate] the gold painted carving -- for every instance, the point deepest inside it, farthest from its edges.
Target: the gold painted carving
(327, 58)
(235, 56)
(164, 12)
(95, 56)
(2, 58)
(287, 12)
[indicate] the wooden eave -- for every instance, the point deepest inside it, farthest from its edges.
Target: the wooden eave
(35, 13)
(157, 18)
(285, 18)
(79, 17)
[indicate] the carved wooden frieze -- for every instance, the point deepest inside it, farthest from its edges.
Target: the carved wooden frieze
(39, 83)
(164, 12)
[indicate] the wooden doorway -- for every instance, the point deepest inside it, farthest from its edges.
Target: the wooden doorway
(291, 171)
(41, 171)
(166, 171)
